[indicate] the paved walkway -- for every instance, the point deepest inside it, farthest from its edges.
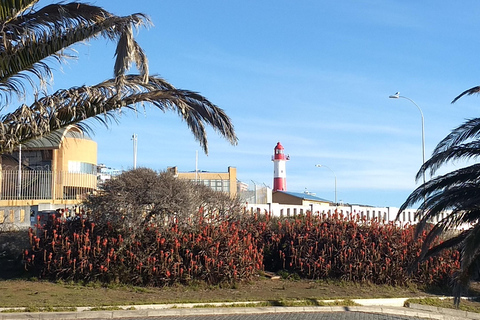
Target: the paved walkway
(291, 316)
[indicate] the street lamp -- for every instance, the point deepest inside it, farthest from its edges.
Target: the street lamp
(320, 166)
(397, 96)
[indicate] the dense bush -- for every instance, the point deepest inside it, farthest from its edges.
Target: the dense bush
(148, 228)
(80, 250)
(349, 248)
(230, 250)
(143, 196)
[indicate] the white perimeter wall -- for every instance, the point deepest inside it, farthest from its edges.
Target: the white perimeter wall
(382, 214)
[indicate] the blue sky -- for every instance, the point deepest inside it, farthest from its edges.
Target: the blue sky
(314, 75)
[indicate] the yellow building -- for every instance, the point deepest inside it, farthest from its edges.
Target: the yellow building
(218, 181)
(58, 169)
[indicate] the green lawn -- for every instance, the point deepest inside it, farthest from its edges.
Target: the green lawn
(23, 293)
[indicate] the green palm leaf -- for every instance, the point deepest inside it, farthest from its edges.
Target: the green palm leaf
(103, 101)
(46, 33)
(439, 158)
(468, 92)
(453, 196)
(31, 38)
(468, 130)
(9, 9)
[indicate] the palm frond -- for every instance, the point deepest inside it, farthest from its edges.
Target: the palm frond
(455, 196)
(468, 130)
(9, 9)
(438, 159)
(471, 246)
(31, 38)
(468, 92)
(102, 102)
(463, 199)
(470, 261)
(433, 251)
(458, 177)
(129, 51)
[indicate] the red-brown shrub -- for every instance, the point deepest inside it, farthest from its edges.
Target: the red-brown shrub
(349, 248)
(313, 246)
(80, 250)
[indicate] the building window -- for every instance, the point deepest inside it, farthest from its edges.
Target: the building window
(81, 167)
(216, 185)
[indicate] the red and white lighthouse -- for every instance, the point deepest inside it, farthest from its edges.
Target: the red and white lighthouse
(279, 172)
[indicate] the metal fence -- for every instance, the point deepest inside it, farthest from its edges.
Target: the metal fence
(38, 185)
(260, 195)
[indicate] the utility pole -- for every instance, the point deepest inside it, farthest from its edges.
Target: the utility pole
(134, 138)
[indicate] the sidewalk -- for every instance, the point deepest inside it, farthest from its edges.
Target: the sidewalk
(382, 306)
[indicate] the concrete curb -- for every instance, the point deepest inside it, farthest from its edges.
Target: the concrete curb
(451, 313)
(220, 311)
(392, 306)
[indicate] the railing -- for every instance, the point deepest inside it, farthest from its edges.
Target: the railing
(47, 185)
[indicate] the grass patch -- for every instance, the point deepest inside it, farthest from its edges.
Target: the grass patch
(471, 305)
(18, 293)
(284, 274)
(284, 303)
(40, 309)
(311, 302)
(110, 308)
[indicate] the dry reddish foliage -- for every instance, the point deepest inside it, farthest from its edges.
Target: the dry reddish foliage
(79, 250)
(230, 250)
(351, 248)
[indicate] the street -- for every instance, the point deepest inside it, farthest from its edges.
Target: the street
(287, 316)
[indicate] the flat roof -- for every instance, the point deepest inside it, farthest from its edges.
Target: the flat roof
(304, 196)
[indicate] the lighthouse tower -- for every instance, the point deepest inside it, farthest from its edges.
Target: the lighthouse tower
(279, 173)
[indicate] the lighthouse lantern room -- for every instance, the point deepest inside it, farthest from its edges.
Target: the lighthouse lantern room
(279, 168)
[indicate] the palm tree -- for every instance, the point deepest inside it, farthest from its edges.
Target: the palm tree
(456, 195)
(28, 37)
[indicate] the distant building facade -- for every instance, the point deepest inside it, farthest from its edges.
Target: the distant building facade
(218, 181)
(55, 171)
(242, 187)
(105, 173)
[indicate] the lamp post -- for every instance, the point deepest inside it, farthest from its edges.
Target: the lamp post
(397, 96)
(320, 166)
